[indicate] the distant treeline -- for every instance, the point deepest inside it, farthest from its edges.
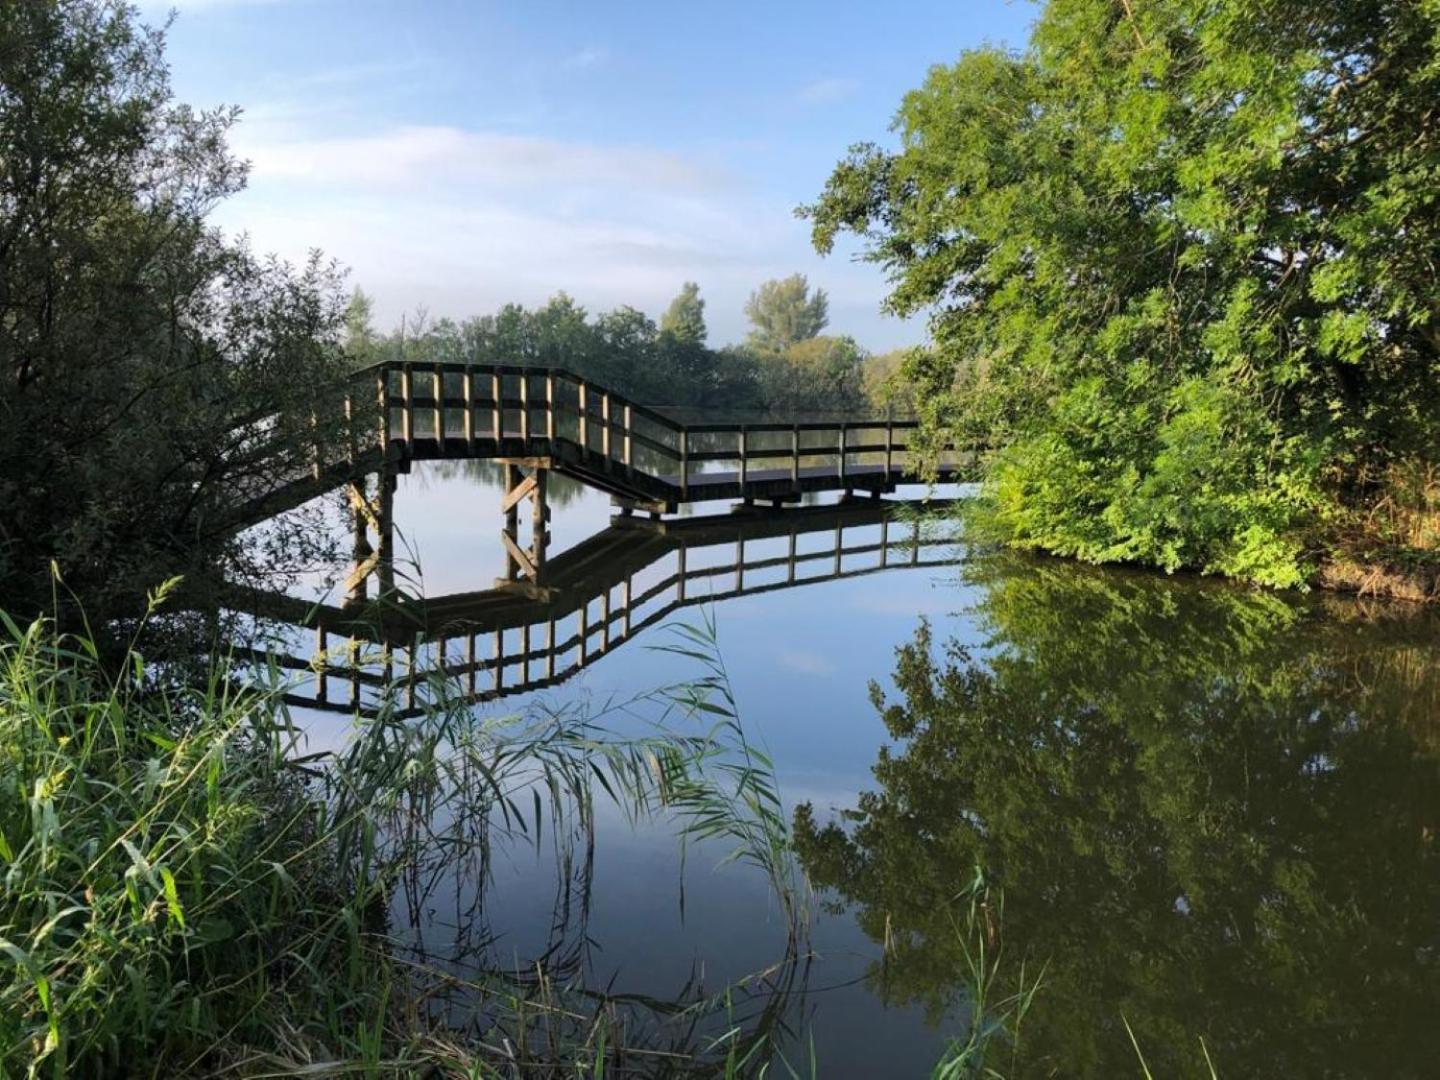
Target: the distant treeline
(785, 366)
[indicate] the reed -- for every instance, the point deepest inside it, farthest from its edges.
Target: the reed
(187, 890)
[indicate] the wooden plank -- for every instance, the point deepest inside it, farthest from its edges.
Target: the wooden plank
(519, 554)
(520, 491)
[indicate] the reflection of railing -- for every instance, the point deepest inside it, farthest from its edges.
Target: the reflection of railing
(506, 640)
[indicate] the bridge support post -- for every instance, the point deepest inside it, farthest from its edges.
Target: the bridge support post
(525, 563)
(373, 523)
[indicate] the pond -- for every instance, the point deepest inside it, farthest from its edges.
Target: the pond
(1205, 817)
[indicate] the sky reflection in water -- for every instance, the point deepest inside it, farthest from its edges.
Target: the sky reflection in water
(1209, 811)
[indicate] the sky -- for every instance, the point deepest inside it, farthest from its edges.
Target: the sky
(457, 155)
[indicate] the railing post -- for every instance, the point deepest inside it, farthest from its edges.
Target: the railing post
(316, 453)
(680, 575)
(744, 458)
(497, 410)
(382, 396)
(628, 419)
(407, 405)
(437, 378)
(889, 441)
(524, 408)
(842, 451)
(684, 462)
(350, 437)
(605, 425)
(583, 392)
(467, 388)
(550, 408)
(795, 455)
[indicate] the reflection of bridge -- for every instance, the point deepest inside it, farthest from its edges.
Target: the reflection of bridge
(538, 420)
(523, 636)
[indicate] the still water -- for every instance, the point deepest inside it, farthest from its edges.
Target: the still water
(1206, 816)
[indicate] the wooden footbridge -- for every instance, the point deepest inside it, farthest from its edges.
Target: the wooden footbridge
(419, 654)
(546, 619)
(541, 420)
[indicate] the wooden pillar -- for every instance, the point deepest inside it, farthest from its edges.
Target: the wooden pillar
(497, 408)
(539, 520)
(550, 409)
(467, 390)
(889, 444)
(684, 462)
(512, 523)
(437, 383)
(407, 405)
(386, 544)
(382, 398)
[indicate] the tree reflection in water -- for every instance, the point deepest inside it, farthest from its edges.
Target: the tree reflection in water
(1211, 813)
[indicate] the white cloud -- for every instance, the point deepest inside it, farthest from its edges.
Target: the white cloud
(826, 91)
(588, 57)
(425, 157)
(463, 220)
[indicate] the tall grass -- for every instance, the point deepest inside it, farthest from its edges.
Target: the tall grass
(186, 890)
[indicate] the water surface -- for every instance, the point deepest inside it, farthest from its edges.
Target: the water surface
(1203, 812)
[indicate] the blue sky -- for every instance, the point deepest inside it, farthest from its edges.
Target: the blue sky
(458, 155)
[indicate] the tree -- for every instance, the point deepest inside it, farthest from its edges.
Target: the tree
(1206, 816)
(684, 319)
(154, 378)
(361, 341)
(819, 374)
(1178, 258)
(784, 312)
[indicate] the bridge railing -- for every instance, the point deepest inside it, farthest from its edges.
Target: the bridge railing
(438, 409)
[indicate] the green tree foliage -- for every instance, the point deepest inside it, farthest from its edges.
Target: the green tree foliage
(684, 319)
(361, 341)
(153, 377)
(785, 312)
(1180, 260)
(1209, 814)
(623, 349)
(818, 374)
